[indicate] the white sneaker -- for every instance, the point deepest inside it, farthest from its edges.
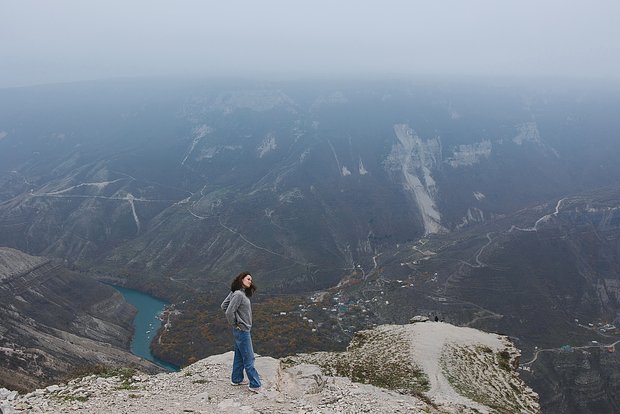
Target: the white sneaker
(256, 390)
(244, 382)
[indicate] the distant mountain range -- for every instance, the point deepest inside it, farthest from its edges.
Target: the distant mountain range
(497, 202)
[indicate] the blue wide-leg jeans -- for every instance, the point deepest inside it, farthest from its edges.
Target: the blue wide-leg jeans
(244, 359)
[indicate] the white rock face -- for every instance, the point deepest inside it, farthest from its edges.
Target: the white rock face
(416, 159)
(14, 262)
(474, 215)
(609, 288)
(290, 196)
(198, 133)
(465, 155)
(362, 170)
(200, 148)
(7, 394)
(211, 152)
(294, 385)
(268, 145)
(528, 132)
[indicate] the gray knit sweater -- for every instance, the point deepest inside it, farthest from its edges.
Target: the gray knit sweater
(238, 310)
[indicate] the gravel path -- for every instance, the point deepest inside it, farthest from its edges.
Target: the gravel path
(429, 340)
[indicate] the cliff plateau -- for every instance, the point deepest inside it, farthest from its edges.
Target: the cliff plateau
(421, 368)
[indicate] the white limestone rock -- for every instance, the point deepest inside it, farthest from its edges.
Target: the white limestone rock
(439, 351)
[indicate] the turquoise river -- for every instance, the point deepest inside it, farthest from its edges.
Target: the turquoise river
(146, 324)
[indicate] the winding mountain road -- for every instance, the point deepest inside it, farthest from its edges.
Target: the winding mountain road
(574, 347)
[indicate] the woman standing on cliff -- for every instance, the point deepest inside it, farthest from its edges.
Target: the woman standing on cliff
(239, 315)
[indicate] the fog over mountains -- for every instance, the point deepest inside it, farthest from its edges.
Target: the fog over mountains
(493, 204)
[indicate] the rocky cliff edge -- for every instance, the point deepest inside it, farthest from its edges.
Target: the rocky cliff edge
(424, 367)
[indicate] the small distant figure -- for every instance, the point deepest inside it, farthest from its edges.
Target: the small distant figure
(239, 315)
(436, 318)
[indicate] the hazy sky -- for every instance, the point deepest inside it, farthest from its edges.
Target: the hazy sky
(66, 40)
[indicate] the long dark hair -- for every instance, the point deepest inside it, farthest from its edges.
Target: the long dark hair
(237, 285)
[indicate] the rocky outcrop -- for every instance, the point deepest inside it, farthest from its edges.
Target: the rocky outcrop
(460, 369)
(313, 383)
(577, 381)
(55, 321)
(13, 263)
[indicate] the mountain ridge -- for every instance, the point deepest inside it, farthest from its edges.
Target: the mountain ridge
(55, 321)
(333, 189)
